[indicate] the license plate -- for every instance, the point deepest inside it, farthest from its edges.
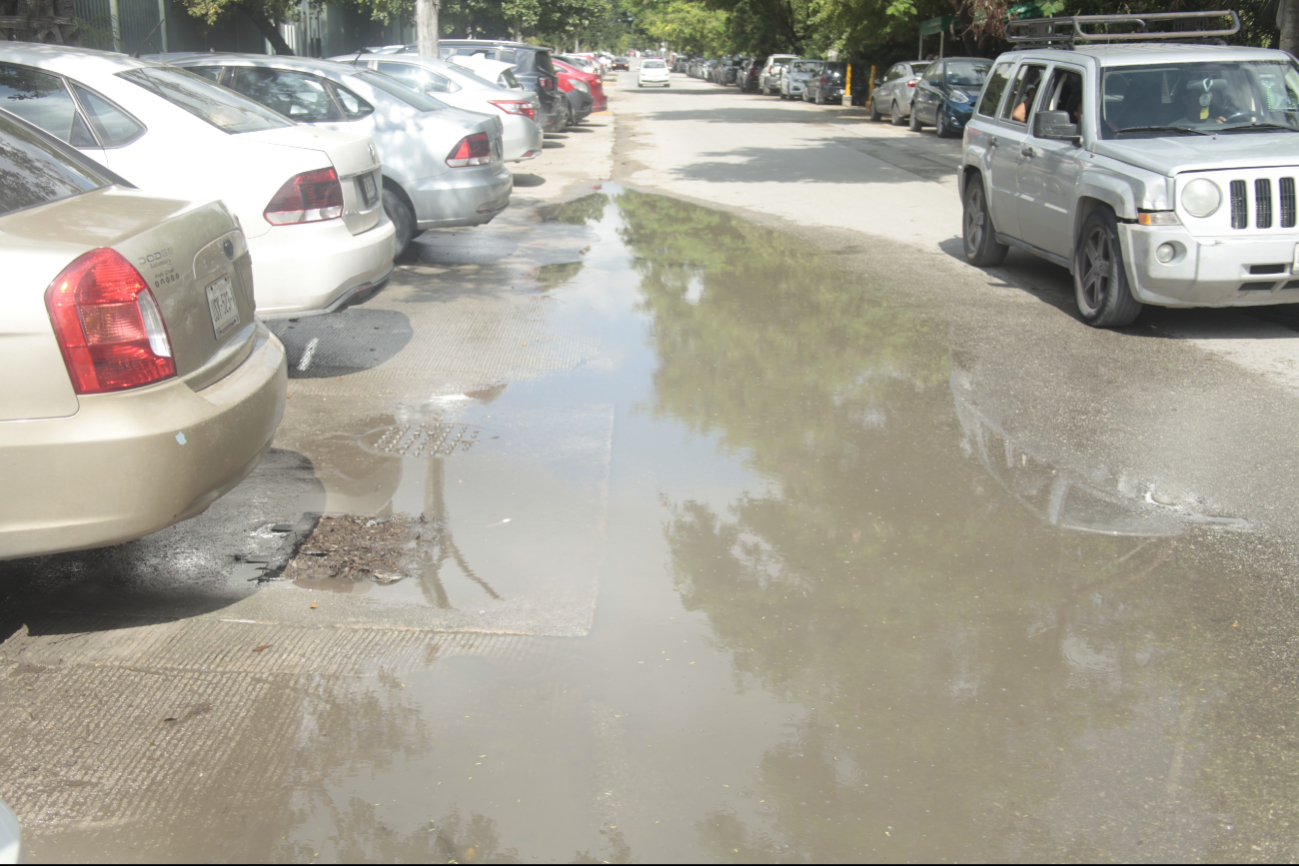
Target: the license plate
(221, 302)
(369, 191)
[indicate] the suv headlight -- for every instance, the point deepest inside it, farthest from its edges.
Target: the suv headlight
(1201, 197)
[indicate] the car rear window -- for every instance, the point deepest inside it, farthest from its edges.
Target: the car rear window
(398, 90)
(34, 170)
(226, 110)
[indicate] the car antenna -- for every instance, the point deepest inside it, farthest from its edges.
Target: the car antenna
(145, 41)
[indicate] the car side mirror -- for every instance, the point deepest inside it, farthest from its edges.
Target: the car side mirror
(1055, 126)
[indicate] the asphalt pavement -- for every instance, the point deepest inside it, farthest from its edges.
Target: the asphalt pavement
(705, 506)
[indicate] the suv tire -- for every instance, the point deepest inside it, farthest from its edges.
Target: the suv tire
(977, 231)
(1099, 277)
(895, 115)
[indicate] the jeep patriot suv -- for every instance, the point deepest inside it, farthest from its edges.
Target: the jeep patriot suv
(1157, 171)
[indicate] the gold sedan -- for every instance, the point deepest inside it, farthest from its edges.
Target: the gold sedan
(141, 387)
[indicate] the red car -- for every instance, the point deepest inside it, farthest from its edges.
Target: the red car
(599, 102)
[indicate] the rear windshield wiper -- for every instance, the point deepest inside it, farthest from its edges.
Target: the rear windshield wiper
(1179, 129)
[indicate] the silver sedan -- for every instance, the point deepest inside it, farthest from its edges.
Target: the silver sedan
(446, 82)
(442, 166)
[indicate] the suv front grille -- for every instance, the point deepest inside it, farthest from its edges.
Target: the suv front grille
(1239, 205)
(1263, 203)
(1272, 207)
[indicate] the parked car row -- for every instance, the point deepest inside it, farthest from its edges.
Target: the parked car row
(785, 75)
(154, 210)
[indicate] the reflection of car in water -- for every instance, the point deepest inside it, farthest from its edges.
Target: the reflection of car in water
(1057, 485)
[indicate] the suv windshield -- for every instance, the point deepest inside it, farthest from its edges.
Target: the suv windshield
(34, 170)
(1199, 98)
(226, 110)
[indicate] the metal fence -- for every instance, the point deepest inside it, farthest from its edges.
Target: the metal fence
(122, 25)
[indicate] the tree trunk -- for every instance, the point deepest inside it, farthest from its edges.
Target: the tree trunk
(1287, 21)
(52, 21)
(426, 28)
(268, 29)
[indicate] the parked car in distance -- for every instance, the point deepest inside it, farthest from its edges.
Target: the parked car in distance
(772, 71)
(622, 62)
(750, 76)
(449, 172)
(796, 76)
(826, 86)
(893, 95)
(653, 71)
(462, 88)
(308, 199)
(1158, 173)
(946, 93)
(148, 386)
(532, 67)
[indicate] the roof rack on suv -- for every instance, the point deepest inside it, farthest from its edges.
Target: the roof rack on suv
(1159, 26)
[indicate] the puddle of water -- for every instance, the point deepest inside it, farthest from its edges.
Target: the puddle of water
(772, 577)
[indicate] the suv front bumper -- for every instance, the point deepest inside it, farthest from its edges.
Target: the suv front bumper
(1209, 272)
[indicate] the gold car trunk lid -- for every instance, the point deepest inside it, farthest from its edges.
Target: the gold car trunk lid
(198, 268)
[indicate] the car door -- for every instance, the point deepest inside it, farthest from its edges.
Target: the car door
(45, 100)
(1005, 146)
(928, 93)
(1049, 169)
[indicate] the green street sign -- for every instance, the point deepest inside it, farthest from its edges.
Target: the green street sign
(937, 25)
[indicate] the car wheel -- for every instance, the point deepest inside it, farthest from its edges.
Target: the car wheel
(1099, 278)
(403, 221)
(941, 129)
(875, 112)
(895, 115)
(981, 247)
(916, 125)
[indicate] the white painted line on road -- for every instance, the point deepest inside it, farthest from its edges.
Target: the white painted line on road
(308, 355)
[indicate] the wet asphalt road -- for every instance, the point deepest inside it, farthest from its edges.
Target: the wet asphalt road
(737, 536)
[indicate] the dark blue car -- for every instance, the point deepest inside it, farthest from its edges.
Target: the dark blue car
(946, 93)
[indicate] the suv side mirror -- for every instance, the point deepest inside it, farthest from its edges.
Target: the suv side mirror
(1056, 126)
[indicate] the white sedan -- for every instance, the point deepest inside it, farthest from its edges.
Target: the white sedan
(442, 167)
(653, 70)
(308, 200)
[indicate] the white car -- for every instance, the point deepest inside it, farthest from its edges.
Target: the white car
(442, 167)
(146, 386)
(459, 87)
(653, 70)
(308, 200)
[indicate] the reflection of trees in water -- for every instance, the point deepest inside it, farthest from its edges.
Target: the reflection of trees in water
(948, 649)
(578, 212)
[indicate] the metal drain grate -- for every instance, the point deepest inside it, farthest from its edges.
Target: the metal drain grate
(426, 440)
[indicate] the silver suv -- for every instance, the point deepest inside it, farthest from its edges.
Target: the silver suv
(1158, 173)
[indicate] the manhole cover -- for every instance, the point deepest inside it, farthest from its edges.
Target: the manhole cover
(422, 440)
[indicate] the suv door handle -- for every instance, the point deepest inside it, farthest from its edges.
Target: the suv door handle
(992, 141)
(1029, 152)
